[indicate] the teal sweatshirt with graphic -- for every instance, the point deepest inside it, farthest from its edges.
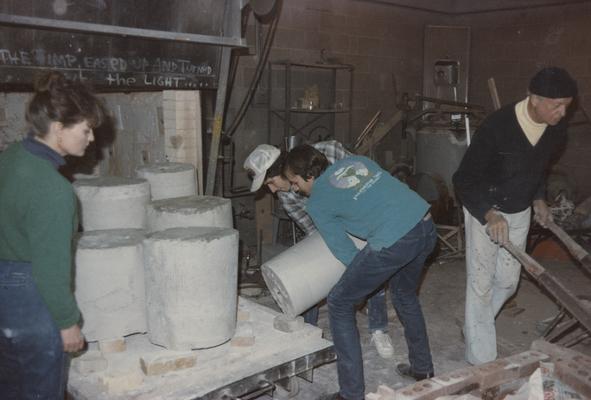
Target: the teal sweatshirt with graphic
(38, 218)
(356, 196)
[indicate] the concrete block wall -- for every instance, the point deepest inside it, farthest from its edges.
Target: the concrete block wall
(385, 42)
(511, 45)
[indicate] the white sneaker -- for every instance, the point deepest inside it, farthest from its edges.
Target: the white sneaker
(383, 344)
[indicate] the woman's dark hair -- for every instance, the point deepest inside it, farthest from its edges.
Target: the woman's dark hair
(306, 162)
(57, 99)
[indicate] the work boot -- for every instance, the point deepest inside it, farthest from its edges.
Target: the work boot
(404, 370)
(383, 344)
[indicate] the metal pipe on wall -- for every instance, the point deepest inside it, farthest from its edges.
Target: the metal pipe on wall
(482, 11)
(87, 27)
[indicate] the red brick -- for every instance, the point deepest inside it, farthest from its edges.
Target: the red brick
(458, 380)
(553, 350)
(576, 375)
(163, 362)
(496, 372)
(112, 346)
(423, 390)
(527, 362)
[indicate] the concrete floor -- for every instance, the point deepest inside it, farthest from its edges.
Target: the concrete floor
(442, 297)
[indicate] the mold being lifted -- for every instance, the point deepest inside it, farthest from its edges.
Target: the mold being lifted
(302, 275)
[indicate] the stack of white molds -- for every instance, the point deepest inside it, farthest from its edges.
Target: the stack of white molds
(110, 283)
(113, 202)
(189, 211)
(169, 180)
(191, 286)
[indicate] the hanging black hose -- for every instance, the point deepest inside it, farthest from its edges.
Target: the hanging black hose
(229, 132)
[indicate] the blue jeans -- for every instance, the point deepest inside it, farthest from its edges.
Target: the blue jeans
(376, 310)
(401, 264)
(32, 359)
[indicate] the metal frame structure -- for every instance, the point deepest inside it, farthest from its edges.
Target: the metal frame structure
(265, 381)
(284, 113)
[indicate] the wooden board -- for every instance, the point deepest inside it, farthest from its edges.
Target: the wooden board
(264, 217)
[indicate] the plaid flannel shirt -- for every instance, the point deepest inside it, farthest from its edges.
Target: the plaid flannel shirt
(294, 204)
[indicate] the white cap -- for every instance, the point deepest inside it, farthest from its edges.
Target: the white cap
(259, 162)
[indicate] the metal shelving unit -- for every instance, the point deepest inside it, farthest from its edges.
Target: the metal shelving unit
(284, 114)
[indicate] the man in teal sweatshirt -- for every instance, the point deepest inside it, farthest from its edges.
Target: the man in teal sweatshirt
(355, 196)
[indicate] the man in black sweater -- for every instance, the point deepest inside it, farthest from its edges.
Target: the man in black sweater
(500, 178)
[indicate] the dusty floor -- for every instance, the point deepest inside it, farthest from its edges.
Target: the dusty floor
(442, 298)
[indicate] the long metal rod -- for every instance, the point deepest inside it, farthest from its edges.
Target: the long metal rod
(448, 102)
(482, 11)
(87, 27)
(575, 249)
(561, 330)
(580, 337)
(269, 100)
(570, 302)
(554, 323)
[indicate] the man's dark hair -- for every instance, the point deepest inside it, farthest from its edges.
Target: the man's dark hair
(306, 162)
(276, 168)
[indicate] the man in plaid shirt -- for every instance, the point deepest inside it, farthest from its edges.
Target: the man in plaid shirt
(265, 165)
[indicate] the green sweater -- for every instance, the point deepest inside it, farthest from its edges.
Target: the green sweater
(38, 219)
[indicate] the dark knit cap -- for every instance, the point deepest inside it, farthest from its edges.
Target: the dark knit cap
(554, 83)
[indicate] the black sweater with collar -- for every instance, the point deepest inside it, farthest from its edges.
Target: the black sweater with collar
(502, 169)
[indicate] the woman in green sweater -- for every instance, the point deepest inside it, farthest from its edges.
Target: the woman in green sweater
(39, 318)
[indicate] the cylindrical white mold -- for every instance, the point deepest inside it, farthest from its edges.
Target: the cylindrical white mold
(191, 286)
(113, 202)
(304, 274)
(169, 180)
(189, 211)
(110, 283)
